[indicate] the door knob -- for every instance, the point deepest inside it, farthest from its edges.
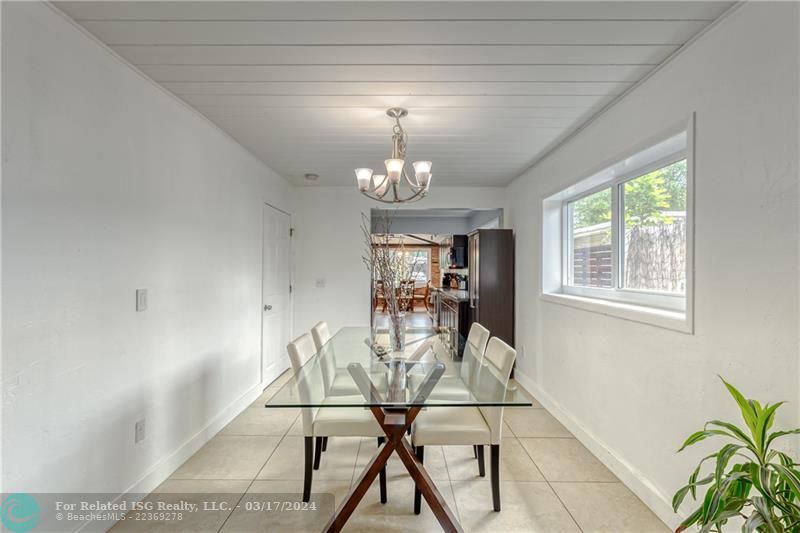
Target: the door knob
(267, 308)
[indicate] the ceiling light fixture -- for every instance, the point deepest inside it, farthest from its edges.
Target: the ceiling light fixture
(386, 187)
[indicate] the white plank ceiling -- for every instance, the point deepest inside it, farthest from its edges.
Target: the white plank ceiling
(304, 85)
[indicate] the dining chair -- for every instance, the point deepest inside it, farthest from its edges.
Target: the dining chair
(421, 295)
(320, 423)
(337, 380)
(457, 386)
(478, 336)
(468, 425)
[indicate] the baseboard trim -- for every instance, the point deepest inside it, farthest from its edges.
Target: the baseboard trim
(159, 472)
(632, 478)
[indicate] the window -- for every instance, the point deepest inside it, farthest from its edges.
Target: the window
(590, 262)
(620, 240)
(654, 226)
(417, 264)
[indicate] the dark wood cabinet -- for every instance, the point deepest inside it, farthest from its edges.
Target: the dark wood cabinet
(453, 316)
(491, 281)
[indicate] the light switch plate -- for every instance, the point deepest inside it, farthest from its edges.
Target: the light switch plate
(141, 300)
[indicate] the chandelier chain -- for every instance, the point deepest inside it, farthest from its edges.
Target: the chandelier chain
(401, 136)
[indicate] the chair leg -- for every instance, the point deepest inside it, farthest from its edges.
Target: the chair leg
(324, 444)
(317, 453)
(309, 449)
(481, 463)
(475, 450)
(382, 476)
(417, 493)
(496, 476)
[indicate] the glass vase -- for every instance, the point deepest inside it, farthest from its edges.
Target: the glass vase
(397, 332)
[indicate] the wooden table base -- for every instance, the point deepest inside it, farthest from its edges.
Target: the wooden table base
(395, 423)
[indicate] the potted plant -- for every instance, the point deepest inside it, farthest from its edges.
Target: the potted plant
(751, 480)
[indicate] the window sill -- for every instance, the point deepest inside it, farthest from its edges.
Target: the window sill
(662, 318)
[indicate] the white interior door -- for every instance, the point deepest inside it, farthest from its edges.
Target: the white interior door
(276, 297)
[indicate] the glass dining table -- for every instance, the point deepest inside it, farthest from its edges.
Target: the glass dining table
(354, 369)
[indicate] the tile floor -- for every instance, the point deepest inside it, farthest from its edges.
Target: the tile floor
(549, 482)
(417, 319)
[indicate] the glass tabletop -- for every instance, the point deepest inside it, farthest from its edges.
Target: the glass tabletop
(354, 369)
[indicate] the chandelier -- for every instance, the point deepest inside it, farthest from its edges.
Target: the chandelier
(386, 187)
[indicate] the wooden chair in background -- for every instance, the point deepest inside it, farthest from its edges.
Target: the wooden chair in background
(422, 295)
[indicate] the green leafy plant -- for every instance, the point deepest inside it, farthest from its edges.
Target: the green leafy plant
(750, 480)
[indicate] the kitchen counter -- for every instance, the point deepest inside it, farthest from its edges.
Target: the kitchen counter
(454, 294)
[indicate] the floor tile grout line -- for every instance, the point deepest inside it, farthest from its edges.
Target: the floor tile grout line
(452, 488)
(553, 490)
(355, 465)
(255, 477)
(531, 458)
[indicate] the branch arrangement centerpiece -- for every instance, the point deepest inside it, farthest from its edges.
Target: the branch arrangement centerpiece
(385, 259)
(752, 481)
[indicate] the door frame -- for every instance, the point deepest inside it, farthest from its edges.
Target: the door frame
(290, 308)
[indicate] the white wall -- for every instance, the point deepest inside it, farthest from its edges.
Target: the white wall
(110, 184)
(329, 245)
(634, 392)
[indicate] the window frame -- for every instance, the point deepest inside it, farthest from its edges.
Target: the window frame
(658, 299)
(669, 310)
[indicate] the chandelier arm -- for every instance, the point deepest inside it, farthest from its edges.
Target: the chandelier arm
(414, 198)
(386, 190)
(415, 184)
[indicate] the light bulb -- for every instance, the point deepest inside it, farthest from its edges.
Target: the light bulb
(423, 179)
(363, 175)
(427, 181)
(394, 168)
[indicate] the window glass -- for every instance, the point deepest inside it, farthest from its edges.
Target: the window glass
(590, 262)
(654, 248)
(413, 264)
(418, 264)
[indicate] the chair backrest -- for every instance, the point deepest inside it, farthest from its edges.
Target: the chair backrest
(321, 334)
(496, 371)
(478, 337)
(300, 351)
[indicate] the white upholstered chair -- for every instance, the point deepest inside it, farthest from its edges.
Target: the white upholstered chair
(478, 337)
(467, 425)
(321, 334)
(456, 386)
(337, 380)
(324, 422)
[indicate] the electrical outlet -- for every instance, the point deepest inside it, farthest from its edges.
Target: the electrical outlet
(141, 300)
(139, 431)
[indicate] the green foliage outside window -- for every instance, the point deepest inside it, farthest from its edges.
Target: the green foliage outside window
(646, 199)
